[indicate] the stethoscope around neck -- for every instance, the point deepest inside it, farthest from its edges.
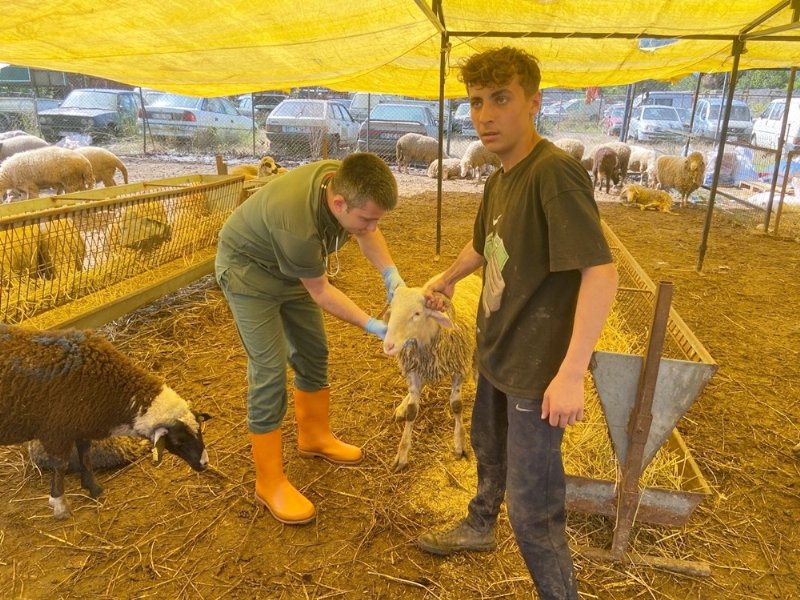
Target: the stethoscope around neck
(331, 273)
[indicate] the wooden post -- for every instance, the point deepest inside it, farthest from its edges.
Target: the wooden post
(639, 423)
(222, 168)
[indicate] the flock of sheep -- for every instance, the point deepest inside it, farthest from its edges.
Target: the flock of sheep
(613, 162)
(29, 164)
(610, 164)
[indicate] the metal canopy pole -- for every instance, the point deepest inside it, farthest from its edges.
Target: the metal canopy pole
(694, 112)
(443, 52)
(779, 149)
(738, 48)
(626, 117)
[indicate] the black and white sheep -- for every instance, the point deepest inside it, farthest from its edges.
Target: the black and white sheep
(67, 388)
(431, 345)
(606, 167)
(415, 147)
(684, 175)
(476, 158)
(104, 164)
(51, 167)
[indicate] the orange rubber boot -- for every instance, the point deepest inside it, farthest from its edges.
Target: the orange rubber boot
(273, 490)
(314, 437)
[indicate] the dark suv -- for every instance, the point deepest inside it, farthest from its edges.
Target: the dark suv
(100, 113)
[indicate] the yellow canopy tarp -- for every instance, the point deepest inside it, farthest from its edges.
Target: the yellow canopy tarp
(226, 47)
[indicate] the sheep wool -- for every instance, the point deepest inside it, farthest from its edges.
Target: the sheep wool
(49, 167)
(430, 346)
(104, 164)
(451, 168)
(67, 388)
(415, 147)
(19, 143)
(476, 156)
(647, 198)
(684, 175)
(572, 147)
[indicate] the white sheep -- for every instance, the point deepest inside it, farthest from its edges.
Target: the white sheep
(475, 158)
(450, 166)
(7, 135)
(684, 175)
(104, 164)
(415, 147)
(67, 388)
(643, 162)
(429, 346)
(572, 147)
(50, 167)
(646, 198)
(19, 143)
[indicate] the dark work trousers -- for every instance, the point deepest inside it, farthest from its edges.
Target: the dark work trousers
(520, 453)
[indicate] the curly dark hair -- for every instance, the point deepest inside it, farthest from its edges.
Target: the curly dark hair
(497, 67)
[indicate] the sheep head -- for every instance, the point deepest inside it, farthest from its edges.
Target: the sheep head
(410, 321)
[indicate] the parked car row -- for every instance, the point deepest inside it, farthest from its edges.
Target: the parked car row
(109, 113)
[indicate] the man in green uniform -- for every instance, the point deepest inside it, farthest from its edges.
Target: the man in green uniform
(548, 285)
(274, 258)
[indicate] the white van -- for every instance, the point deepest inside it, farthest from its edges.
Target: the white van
(707, 117)
(768, 125)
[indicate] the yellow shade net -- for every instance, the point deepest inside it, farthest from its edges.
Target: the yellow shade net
(224, 47)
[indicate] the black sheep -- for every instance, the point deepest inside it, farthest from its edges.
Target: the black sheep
(67, 388)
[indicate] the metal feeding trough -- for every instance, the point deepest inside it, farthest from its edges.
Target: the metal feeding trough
(643, 398)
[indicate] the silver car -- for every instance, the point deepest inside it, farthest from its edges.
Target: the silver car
(296, 125)
(653, 122)
(184, 117)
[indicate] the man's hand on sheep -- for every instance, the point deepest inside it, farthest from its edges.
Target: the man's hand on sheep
(376, 327)
(392, 281)
(437, 292)
(563, 400)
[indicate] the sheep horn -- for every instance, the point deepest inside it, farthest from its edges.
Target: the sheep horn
(159, 441)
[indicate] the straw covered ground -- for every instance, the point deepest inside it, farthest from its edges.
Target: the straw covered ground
(168, 532)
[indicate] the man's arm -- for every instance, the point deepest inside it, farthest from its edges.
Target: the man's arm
(564, 397)
(373, 246)
(465, 263)
(336, 302)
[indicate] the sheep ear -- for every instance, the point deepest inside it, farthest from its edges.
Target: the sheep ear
(159, 441)
(441, 318)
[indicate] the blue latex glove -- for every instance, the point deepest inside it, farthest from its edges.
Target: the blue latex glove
(376, 328)
(392, 280)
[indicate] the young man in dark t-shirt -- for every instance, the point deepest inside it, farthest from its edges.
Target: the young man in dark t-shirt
(548, 285)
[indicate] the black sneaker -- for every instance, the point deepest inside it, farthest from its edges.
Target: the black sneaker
(461, 538)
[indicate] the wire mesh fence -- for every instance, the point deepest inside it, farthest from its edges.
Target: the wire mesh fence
(55, 251)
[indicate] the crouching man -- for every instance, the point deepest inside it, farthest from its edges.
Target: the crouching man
(275, 255)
